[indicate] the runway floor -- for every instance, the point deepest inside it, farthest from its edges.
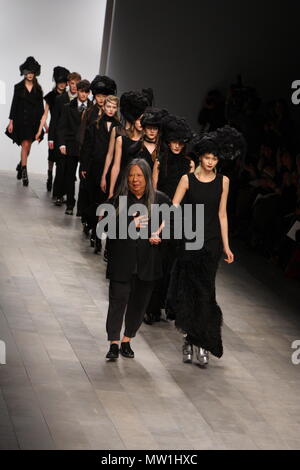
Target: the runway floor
(57, 391)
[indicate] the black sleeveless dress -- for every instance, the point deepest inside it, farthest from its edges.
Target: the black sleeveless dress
(191, 295)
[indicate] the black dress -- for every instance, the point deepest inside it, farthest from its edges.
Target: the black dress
(93, 153)
(26, 111)
(50, 100)
(191, 294)
(172, 167)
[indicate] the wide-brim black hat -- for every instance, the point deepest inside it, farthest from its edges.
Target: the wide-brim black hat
(103, 85)
(30, 65)
(60, 74)
(175, 128)
(133, 105)
(225, 143)
(153, 117)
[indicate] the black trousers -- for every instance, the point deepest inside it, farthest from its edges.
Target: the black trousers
(134, 294)
(59, 185)
(71, 168)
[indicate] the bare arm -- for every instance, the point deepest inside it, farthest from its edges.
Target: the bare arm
(181, 189)
(224, 221)
(116, 166)
(43, 121)
(109, 158)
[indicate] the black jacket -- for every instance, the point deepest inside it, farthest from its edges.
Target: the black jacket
(127, 256)
(68, 128)
(60, 101)
(26, 112)
(96, 143)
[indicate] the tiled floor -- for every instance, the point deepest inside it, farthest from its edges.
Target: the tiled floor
(57, 391)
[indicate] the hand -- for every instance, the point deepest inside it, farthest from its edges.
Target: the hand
(51, 144)
(10, 127)
(230, 256)
(83, 174)
(63, 150)
(103, 184)
(37, 136)
(155, 239)
(141, 221)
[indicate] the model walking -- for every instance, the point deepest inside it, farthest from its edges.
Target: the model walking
(26, 111)
(191, 296)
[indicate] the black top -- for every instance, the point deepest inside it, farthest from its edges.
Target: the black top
(50, 99)
(208, 194)
(26, 112)
(171, 168)
(146, 155)
(130, 150)
(59, 102)
(126, 256)
(96, 142)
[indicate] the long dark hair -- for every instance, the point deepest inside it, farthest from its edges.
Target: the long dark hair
(163, 158)
(123, 188)
(36, 86)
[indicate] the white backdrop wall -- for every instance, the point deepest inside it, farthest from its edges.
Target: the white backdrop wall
(55, 32)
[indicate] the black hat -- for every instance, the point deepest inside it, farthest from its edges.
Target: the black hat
(175, 128)
(60, 74)
(153, 117)
(225, 143)
(133, 105)
(30, 65)
(103, 85)
(148, 93)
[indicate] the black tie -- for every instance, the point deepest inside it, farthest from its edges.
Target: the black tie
(81, 108)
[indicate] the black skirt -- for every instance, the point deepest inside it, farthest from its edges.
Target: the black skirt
(191, 298)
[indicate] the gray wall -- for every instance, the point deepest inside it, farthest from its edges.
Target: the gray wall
(56, 33)
(184, 48)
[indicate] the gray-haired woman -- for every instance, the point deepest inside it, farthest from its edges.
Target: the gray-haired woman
(133, 264)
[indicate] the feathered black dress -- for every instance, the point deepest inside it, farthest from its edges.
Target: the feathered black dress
(191, 295)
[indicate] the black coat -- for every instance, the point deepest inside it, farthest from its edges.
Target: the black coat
(68, 128)
(127, 256)
(96, 142)
(59, 103)
(26, 112)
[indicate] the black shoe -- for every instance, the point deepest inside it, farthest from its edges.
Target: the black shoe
(126, 350)
(69, 210)
(49, 181)
(113, 352)
(98, 246)
(148, 319)
(105, 256)
(19, 171)
(92, 240)
(25, 176)
(86, 229)
(58, 201)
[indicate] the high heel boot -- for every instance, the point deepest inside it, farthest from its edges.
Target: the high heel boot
(19, 171)
(25, 176)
